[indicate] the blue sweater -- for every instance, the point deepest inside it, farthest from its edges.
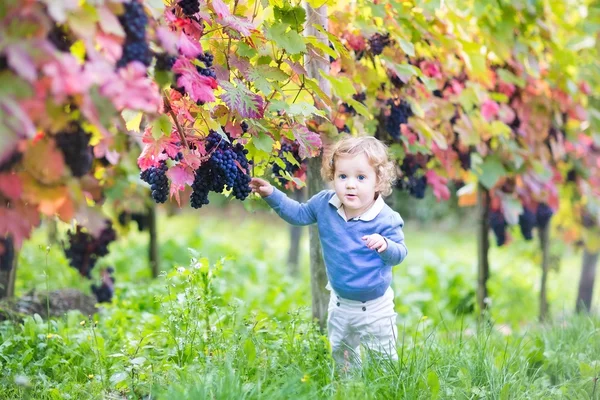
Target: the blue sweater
(355, 272)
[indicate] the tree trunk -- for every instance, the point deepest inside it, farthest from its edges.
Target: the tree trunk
(8, 275)
(586, 281)
(314, 66)
(318, 275)
(153, 242)
(295, 236)
(545, 246)
(483, 245)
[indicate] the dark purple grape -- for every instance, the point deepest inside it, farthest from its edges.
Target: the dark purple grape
(7, 253)
(84, 250)
(73, 142)
(498, 225)
(189, 7)
(400, 111)
(159, 183)
(527, 223)
(378, 42)
(543, 215)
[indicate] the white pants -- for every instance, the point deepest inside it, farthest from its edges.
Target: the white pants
(351, 323)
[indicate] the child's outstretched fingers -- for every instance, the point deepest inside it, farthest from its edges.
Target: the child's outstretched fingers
(261, 187)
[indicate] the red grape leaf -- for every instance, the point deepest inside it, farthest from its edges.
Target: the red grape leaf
(10, 186)
(239, 98)
(179, 176)
(438, 183)
(220, 8)
(132, 89)
(187, 47)
(18, 221)
(309, 141)
(152, 152)
(199, 87)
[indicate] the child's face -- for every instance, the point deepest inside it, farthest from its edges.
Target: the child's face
(355, 183)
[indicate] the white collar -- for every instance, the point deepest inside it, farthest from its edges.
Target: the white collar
(368, 215)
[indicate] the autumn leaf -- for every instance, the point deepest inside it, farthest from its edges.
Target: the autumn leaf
(180, 176)
(44, 162)
(10, 186)
(187, 47)
(18, 222)
(310, 142)
(132, 89)
(199, 87)
(58, 9)
(242, 100)
(438, 184)
(220, 8)
(152, 153)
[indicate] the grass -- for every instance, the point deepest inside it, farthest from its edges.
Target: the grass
(233, 324)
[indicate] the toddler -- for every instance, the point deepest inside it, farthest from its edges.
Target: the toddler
(362, 240)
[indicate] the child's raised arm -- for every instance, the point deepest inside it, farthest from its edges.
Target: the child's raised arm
(289, 210)
(396, 250)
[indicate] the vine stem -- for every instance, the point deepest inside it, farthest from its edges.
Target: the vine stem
(172, 114)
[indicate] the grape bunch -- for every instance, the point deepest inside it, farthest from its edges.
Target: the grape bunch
(104, 292)
(134, 21)
(360, 97)
(159, 183)
(7, 253)
(289, 167)
(527, 222)
(189, 7)
(411, 180)
(378, 42)
(543, 215)
(400, 111)
(225, 169)
(164, 62)
(60, 39)
(84, 249)
(73, 142)
(498, 225)
(207, 59)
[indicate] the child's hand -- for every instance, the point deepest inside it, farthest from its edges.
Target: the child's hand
(375, 242)
(260, 186)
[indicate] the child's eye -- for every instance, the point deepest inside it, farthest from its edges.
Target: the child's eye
(342, 176)
(362, 177)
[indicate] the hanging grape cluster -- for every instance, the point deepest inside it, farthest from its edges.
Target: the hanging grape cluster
(227, 168)
(60, 39)
(84, 249)
(134, 21)
(7, 253)
(360, 97)
(74, 145)
(104, 292)
(156, 177)
(164, 62)
(189, 7)
(290, 168)
(498, 225)
(400, 112)
(528, 220)
(378, 42)
(412, 179)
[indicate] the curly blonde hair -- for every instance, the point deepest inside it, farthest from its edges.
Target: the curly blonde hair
(376, 152)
